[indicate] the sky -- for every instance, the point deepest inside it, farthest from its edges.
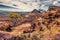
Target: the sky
(26, 5)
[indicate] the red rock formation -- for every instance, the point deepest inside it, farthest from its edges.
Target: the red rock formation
(35, 21)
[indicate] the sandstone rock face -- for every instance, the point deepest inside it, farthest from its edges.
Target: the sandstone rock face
(57, 36)
(46, 25)
(5, 25)
(26, 27)
(9, 36)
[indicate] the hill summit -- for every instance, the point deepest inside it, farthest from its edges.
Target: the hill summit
(35, 11)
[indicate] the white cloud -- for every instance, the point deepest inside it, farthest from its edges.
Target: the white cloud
(21, 5)
(26, 5)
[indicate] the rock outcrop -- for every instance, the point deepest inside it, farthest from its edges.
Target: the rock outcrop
(46, 24)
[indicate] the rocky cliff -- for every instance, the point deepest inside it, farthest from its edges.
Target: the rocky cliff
(36, 26)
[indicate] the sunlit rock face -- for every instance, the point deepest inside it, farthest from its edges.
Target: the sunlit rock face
(26, 23)
(23, 27)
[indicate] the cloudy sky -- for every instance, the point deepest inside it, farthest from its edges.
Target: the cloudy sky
(26, 5)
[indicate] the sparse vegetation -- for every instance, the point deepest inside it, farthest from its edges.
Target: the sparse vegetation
(14, 17)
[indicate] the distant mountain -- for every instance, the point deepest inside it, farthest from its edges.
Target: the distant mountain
(35, 11)
(6, 12)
